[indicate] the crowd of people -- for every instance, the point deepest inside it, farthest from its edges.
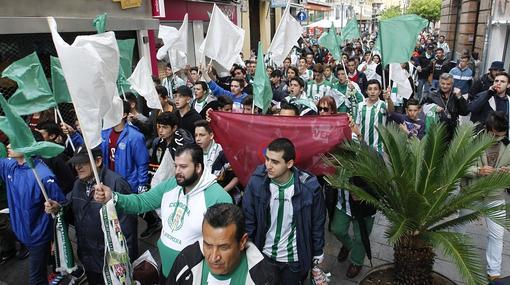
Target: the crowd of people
(212, 228)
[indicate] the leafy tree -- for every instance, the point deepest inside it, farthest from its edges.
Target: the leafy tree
(428, 9)
(390, 12)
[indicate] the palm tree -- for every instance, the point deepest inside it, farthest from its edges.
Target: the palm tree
(415, 186)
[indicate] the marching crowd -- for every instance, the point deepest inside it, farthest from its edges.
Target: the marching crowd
(213, 230)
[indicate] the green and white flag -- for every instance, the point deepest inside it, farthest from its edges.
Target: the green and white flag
(117, 268)
(64, 258)
(33, 93)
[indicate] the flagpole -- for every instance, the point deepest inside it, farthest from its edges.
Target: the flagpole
(278, 28)
(89, 152)
(57, 110)
(382, 57)
(41, 186)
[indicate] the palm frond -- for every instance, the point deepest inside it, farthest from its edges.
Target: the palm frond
(460, 250)
(487, 187)
(434, 147)
(397, 229)
(455, 222)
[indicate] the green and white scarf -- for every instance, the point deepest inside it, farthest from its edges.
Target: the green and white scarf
(64, 259)
(117, 269)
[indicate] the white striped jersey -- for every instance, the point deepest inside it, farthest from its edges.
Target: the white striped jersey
(281, 244)
(370, 117)
(308, 75)
(315, 91)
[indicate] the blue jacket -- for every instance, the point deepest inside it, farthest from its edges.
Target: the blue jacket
(131, 156)
(462, 78)
(309, 213)
(29, 222)
(218, 91)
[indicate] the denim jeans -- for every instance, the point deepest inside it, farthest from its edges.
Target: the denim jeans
(423, 89)
(494, 249)
(38, 262)
(289, 273)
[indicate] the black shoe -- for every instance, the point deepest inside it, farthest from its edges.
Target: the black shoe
(342, 254)
(22, 253)
(7, 255)
(150, 231)
(78, 276)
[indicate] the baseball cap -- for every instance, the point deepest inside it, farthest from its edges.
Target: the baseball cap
(81, 155)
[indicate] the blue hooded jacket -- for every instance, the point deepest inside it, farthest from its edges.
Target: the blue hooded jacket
(309, 213)
(131, 156)
(29, 222)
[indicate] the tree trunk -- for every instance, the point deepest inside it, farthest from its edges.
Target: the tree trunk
(414, 262)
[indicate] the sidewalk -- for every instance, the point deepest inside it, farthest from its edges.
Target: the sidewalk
(15, 272)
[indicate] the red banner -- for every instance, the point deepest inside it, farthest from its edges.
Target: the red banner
(244, 138)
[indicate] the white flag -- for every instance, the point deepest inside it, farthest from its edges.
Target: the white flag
(224, 40)
(141, 82)
(175, 44)
(401, 77)
(288, 33)
(90, 66)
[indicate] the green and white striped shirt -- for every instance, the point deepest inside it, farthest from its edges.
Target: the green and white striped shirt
(281, 242)
(315, 91)
(370, 117)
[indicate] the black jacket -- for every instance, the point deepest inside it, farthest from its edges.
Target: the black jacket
(480, 85)
(454, 107)
(88, 222)
(187, 122)
(480, 107)
(189, 263)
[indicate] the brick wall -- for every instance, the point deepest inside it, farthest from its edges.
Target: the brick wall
(463, 22)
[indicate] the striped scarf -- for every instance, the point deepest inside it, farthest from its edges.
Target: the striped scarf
(117, 268)
(64, 259)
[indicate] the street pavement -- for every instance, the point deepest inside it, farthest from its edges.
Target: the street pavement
(15, 272)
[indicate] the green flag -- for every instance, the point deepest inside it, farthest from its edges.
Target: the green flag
(126, 48)
(398, 36)
(331, 41)
(20, 135)
(33, 93)
(262, 92)
(350, 31)
(99, 23)
(126, 64)
(58, 82)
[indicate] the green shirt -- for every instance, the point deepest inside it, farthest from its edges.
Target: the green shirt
(237, 277)
(181, 214)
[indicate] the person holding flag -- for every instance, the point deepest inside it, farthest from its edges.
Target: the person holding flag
(183, 201)
(236, 89)
(29, 182)
(349, 93)
(87, 217)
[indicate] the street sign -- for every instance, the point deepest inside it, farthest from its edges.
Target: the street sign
(301, 16)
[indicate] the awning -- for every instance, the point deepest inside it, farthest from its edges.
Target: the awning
(317, 7)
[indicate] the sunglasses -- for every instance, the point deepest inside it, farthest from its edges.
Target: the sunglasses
(323, 109)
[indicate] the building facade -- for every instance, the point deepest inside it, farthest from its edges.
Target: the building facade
(480, 26)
